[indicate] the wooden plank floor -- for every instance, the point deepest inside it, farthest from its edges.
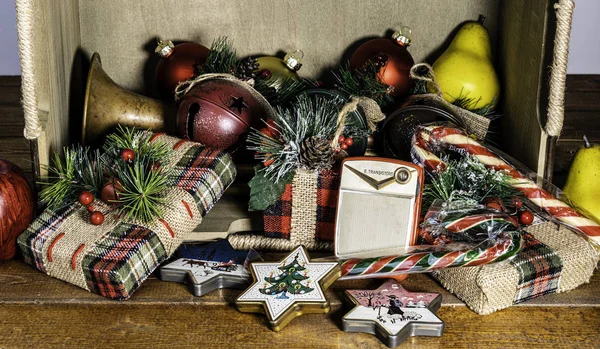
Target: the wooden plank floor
(37, 311)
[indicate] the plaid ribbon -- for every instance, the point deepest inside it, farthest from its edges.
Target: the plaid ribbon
(278, 217)
(118, 263)
(539, 269)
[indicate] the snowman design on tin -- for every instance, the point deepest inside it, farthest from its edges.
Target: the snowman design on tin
(393, 313)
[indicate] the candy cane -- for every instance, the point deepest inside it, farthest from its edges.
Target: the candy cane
(507, 245)
(431, 137)
(428, 258)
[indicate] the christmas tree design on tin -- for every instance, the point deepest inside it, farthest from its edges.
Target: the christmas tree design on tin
(289, 288)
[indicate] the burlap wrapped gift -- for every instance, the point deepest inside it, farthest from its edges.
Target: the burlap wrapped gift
(553, 259)
(303, 215)
(114, 258)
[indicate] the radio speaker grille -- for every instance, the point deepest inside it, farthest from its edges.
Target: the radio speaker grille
(368, 223)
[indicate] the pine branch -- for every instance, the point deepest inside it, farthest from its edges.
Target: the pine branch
(470, 181)
(79, 170)
(363, 82)
(222, 58)
(279, 92)
(139, 142)
(141, 197)
(306, 117)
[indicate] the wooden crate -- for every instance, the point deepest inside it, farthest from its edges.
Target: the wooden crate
(63, 35)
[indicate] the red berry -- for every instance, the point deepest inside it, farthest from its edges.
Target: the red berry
(526, 217)
(127, 155)
(86, 198)
(517, 202)
(90, 208)
(337, 150)
(268, 162)
(267, 132)
(341, 139)
(96, 218)
(344, 146)
(349, 141)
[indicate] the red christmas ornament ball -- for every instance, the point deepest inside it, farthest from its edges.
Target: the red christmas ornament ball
(96, 218)
(86, 198)
(344, 146)
(217, 112)
(342, 139)
(177, 64)
(396, 63)
(349, 141)
(526, 217)
(127, 155)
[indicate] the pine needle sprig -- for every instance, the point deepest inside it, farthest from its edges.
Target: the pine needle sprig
(138, 141)
(279, 92)
(469, 181)
(141, 193)
(463, 101)
(363, 82)
(305, 117)
(80, 169)
(222, 58)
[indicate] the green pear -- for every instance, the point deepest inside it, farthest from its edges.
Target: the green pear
(583, 182)
(465, 69)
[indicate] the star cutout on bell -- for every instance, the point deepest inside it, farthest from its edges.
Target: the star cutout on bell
(238, 103)
(289, 288)
(391, 313)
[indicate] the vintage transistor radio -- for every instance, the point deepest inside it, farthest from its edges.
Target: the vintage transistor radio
(378, 207)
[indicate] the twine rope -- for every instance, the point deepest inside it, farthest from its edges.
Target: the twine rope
(247, 241)
(475, 124)
(370, 108)
(183, 88)
(558, 77)
(29, 100)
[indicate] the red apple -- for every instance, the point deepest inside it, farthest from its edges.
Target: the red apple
(17, 206)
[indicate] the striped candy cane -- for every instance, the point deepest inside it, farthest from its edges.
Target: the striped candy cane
(430, 258)
(427, 138)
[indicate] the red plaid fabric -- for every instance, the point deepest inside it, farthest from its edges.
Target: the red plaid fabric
(278, 217)
(539, 269)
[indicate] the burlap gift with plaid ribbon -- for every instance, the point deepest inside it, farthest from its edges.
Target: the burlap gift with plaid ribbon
(303, 215)
(114, 258)
(553, 259)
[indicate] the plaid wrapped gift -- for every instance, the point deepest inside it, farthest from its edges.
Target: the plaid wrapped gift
(305, 214)
(553, 260)
(114, 258)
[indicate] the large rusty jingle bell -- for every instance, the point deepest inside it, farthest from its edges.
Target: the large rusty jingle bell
(216, 112)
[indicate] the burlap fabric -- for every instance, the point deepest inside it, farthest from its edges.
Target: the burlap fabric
(303, 215)
(114, 258)
(475, 124)
(492, 287)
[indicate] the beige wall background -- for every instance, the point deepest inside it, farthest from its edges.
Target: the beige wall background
(584, 56)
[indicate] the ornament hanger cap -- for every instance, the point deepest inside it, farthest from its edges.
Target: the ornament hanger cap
(402, 36)
(164, 48)
(294, 60)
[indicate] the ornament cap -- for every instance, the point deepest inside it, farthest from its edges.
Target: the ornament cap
(402, 36)
(294, 60)
(164, 48)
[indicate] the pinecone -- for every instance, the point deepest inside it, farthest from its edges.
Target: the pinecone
(246, 68)
(316, 153)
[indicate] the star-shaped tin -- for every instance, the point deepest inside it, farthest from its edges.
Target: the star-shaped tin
(289, 288)
(207, 268)
(393, 314)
